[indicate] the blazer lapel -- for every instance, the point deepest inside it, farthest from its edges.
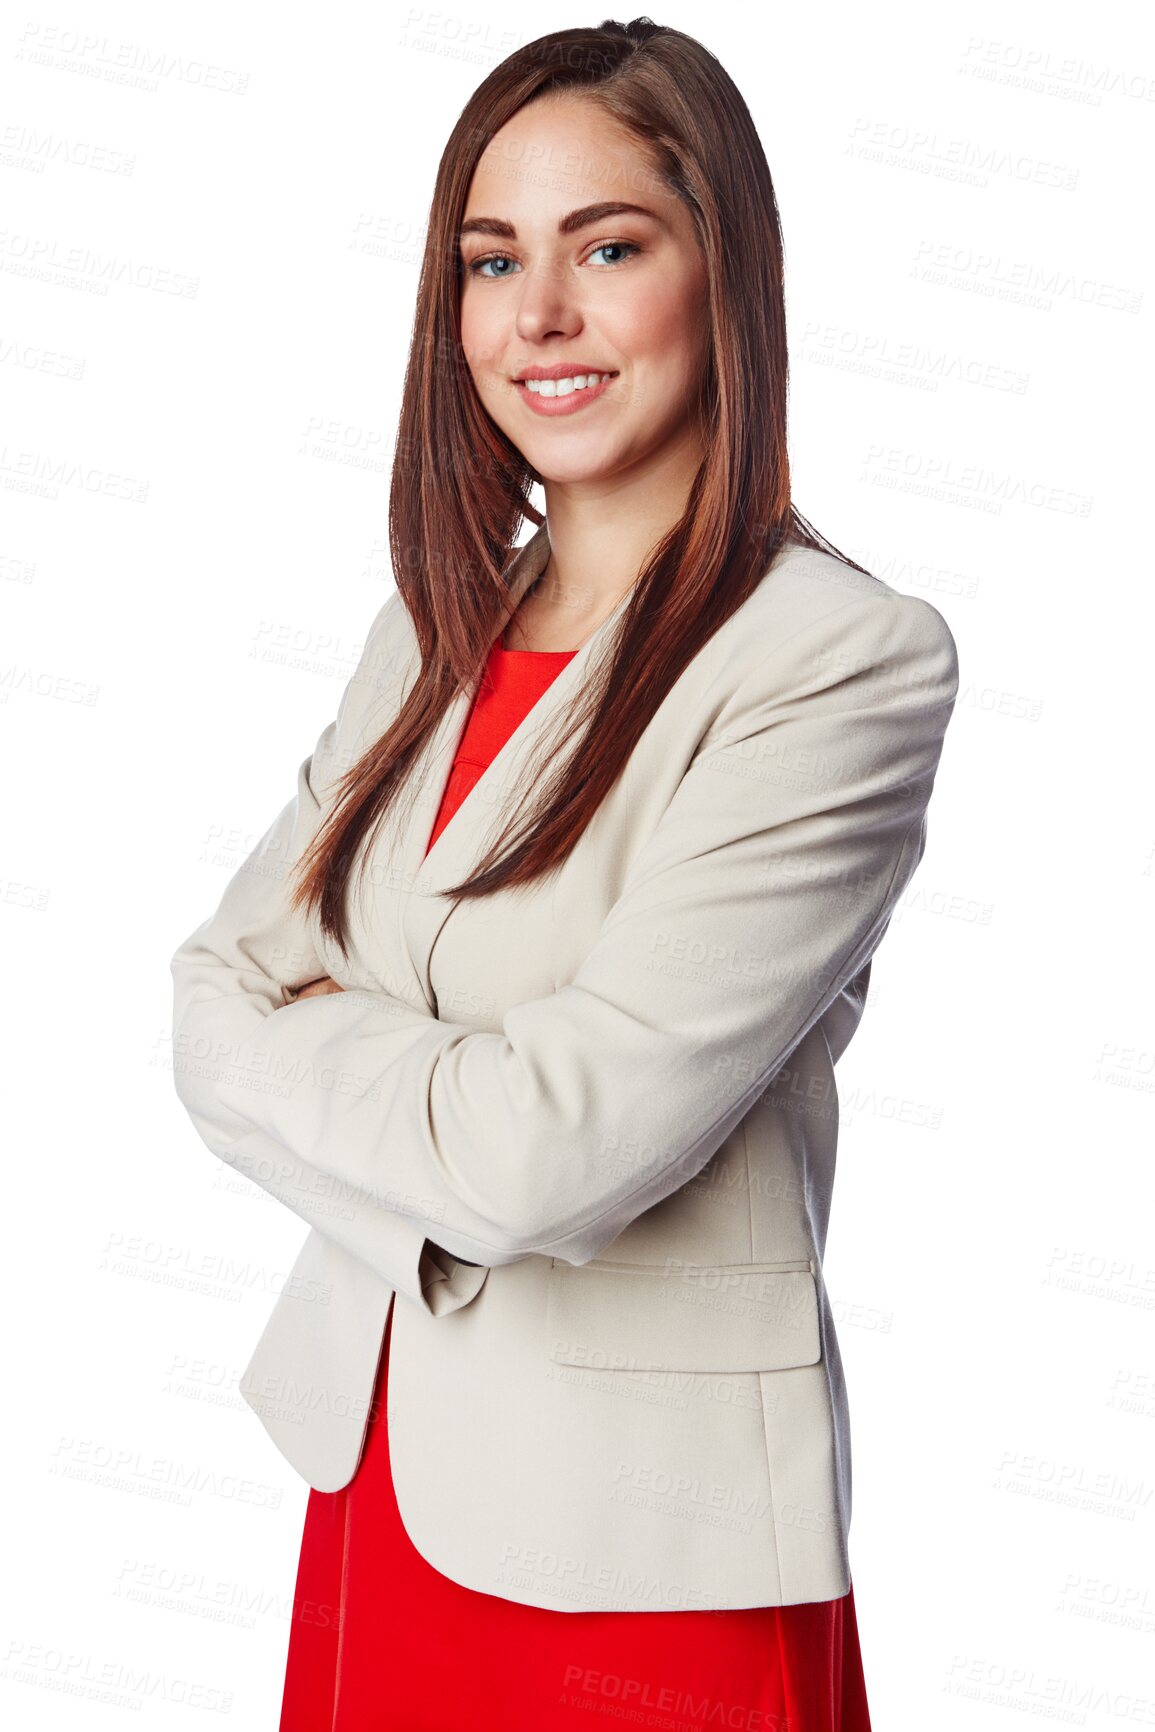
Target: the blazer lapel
(423, 910)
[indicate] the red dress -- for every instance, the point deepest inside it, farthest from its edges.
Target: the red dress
(380, 1641)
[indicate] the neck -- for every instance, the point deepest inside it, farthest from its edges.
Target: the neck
(598, 543)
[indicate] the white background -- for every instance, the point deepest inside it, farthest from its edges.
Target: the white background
(192, 546)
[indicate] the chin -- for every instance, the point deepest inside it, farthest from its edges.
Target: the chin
(570, 474)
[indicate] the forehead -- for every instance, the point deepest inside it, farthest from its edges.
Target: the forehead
(557, 153)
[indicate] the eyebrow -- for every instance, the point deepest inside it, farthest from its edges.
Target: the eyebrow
(567, 225)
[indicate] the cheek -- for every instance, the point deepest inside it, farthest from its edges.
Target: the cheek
(478, 339)
(669, 342)
(664, 328)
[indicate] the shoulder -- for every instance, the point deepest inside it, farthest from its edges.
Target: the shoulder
(813, 619)
(808, 591)
(390, 638)
(387, 662)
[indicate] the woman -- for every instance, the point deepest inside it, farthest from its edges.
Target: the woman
(626, 815)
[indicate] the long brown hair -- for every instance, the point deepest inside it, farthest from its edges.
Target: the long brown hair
(450, 565)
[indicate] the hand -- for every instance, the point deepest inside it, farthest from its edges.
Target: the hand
(316, 987)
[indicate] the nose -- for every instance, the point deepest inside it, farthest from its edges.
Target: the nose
(547, 302)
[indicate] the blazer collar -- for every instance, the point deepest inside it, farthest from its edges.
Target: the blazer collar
(483, 812)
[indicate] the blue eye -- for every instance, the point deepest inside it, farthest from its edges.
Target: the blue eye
(619, 246)
(490, 259)
(476, 269)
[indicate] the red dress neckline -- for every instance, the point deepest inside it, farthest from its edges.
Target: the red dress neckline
(558, 655)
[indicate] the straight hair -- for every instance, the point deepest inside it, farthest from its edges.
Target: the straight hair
(450, 564)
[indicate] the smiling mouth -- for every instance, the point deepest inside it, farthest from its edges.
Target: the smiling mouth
(564, 387)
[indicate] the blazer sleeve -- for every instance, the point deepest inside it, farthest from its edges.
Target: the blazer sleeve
(246, 961)
(764, 888)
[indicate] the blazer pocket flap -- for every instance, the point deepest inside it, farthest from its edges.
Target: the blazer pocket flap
(685, 1317)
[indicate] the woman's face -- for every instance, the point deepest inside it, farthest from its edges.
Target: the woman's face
(553, 276)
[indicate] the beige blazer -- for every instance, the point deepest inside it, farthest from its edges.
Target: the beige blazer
(613, 1091)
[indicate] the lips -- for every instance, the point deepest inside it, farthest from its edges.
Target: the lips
(572, 399)
(561, 384)
(562, 370)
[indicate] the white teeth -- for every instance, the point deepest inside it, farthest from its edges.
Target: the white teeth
(563, 387)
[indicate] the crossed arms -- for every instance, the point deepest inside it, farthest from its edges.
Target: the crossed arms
(766, 885)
